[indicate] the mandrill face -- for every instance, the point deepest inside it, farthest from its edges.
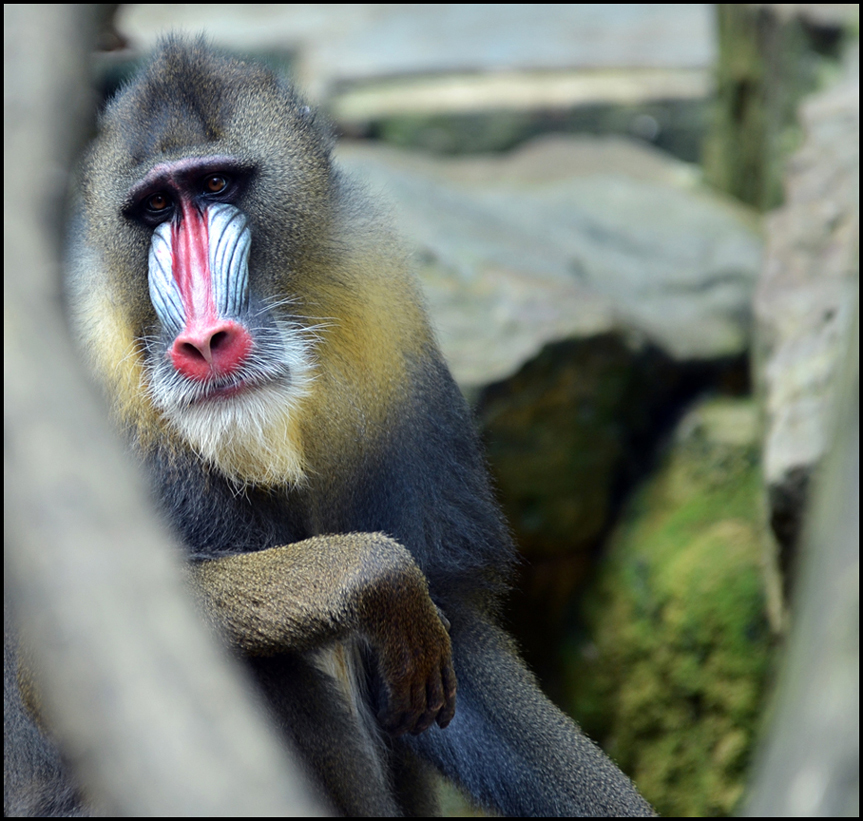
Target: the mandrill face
(201, 223)
(227, 371)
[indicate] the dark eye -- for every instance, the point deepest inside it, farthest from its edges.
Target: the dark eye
(215, 184)
(158, 202)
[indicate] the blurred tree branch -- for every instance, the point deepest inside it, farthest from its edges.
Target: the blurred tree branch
(153, 718)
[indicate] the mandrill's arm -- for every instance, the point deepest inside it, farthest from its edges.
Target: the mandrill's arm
(305, 595)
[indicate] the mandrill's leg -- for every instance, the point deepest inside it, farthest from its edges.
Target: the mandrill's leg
(511, 748)
(342, 753)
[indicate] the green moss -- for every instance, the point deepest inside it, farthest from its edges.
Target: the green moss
(671, 674)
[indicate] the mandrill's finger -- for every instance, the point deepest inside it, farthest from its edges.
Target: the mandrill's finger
(449, 687)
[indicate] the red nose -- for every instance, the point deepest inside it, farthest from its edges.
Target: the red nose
(215, 349)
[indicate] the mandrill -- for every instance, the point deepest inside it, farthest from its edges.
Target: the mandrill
(266, 350)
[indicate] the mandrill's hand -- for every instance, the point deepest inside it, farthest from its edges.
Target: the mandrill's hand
(302, 596)
(414, 654)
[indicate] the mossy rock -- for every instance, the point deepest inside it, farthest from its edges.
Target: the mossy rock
(670, 674)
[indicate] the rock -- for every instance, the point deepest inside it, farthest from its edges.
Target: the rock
(805, 300)
(669, 673)
(569, 237)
